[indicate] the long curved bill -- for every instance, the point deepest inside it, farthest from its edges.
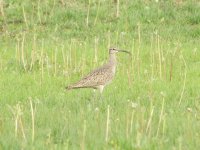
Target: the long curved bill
(124, 51)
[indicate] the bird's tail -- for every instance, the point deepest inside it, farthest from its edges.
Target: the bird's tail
(69, 87)
(74, 86)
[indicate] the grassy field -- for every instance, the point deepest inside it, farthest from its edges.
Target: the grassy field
(153, 102)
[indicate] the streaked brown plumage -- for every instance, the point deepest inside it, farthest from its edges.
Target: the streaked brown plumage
(100, 77)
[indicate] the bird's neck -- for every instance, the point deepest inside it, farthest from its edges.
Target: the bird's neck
(112, 62)
(112, 59)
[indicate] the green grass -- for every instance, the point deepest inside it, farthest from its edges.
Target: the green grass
(153, 102)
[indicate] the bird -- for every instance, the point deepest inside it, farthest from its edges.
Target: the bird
(100, 77)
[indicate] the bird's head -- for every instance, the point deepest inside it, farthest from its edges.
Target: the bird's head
(115, 50)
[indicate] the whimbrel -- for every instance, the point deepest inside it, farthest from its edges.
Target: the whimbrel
(100, 77)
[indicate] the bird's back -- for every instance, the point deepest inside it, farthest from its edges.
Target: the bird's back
(100, 76)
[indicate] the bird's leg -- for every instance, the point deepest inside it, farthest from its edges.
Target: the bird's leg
(97, 95)
(101, 87)
(101, 97)
(94, 94)
(94, 97)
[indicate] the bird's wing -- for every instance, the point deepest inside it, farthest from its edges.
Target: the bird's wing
(98, 77)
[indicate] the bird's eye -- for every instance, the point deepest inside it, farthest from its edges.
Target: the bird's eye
(114, 49)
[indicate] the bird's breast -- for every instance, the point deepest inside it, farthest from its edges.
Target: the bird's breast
(113, 69)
